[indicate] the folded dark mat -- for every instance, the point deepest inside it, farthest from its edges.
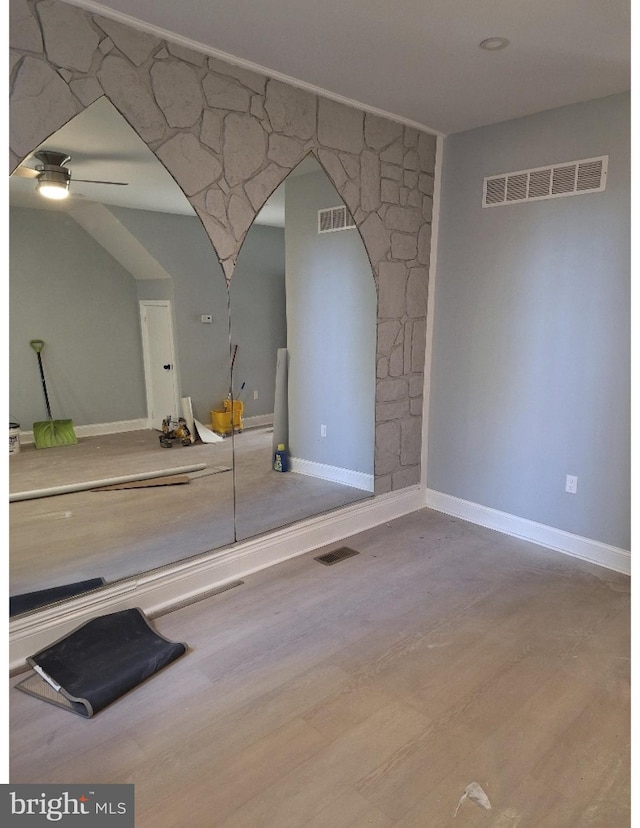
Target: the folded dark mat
(40, 598)
(99, 662)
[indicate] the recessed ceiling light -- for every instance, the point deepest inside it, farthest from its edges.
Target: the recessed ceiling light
(492, 44)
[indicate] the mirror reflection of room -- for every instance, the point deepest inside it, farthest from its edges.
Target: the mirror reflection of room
(114, 279)
(308, 343)
(122, 284)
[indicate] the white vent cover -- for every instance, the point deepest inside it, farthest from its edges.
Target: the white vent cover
(335, 218)
(571, 178)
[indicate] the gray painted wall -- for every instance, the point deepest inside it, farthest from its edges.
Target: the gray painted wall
(155, 289)
(258, 316)
(531, 359)
(331, 322)
(67, 290)
(89, 315)
(181, 246)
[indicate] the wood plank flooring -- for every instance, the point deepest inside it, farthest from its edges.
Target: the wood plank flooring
(371, 693)
(118, 534)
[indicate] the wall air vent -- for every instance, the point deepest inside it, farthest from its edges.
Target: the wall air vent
(572, 178)
(335, 218)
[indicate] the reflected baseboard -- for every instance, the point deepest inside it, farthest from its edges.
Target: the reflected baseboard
(348, 477)
(97, 429)
(258, 421)
(162, 590)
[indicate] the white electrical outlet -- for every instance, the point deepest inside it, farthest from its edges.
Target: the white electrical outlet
(571, 485)
(255, 394)
(206, 318)
(323, 431)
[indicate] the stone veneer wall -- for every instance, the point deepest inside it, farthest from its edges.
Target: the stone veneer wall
(229, 137)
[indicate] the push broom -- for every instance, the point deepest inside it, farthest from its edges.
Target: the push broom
(49, 433)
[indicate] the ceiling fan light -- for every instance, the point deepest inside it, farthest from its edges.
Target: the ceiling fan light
(53, 184)
(52, 190)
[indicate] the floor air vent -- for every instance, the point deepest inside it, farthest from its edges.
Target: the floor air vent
(335, 218)
(336, 556)
(572, 178)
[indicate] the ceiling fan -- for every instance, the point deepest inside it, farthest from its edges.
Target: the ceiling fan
(53, 176)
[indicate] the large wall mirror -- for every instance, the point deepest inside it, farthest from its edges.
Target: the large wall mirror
(123, 285)
(305, 332)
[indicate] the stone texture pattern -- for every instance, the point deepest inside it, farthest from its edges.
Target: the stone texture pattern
(24, 30)
(229, 137)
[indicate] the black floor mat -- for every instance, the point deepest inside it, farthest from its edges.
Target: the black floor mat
(99, 662)
(40, 598)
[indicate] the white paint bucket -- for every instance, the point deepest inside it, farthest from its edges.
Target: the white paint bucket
(14, 438)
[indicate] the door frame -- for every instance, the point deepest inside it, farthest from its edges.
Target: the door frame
(146, 355)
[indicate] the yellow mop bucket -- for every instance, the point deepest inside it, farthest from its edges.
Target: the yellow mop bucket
(228, 420)
(238, 409)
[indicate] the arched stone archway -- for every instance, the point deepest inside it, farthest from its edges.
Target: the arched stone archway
(229, 137)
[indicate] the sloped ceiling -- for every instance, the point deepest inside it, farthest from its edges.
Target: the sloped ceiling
(103, 146)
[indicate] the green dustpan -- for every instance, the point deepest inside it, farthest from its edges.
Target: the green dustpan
(50, 433)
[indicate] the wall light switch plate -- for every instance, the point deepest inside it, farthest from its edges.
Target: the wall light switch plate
(206, 318)
(571, 485)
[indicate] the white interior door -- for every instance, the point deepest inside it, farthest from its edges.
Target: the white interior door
(159, 361)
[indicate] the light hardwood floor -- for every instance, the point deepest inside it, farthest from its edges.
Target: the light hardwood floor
(117, 534)
(371, 693)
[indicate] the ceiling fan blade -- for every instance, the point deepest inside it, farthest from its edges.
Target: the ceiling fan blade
(91, 181)
(25, 172)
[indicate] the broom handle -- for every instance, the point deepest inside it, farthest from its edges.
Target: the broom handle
(233, 360)
(44, 385)
(38, 345)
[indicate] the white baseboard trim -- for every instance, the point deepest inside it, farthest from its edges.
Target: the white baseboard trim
(611, 557)
(97, 429)
(359, 480)
(159, 591)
